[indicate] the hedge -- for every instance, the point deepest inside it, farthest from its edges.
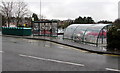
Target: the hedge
(113, 39)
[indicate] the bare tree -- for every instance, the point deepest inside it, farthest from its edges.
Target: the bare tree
(21, 11)
(6, 10)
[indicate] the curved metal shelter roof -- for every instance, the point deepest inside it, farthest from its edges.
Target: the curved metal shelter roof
(89, 33)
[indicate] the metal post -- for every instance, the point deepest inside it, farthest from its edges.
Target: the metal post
(51, 31)
(38, 28)
(40, 10)
(44, 30)
(0, 24)
(57, 28)
(102, 36)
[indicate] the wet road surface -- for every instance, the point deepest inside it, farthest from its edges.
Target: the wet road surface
(30, 55)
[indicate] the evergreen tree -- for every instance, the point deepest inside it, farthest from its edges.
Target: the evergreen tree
(105, 22)
(89, 20)
(35, 17)
(85, 20)
(113, 36)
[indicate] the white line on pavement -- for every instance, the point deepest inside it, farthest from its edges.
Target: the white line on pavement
(1, 52)
(110, 69)
(52, 60)
(47, 46)
(60, 47)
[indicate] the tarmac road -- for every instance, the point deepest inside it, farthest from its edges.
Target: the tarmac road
(30, 55)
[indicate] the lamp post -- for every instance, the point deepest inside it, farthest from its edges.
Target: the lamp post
(40, 10)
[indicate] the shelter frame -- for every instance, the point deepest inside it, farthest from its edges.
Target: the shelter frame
(45, 28)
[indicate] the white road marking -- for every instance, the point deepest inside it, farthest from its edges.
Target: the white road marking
(52, 60)
(47, 46)
(60, 47)
(1, 52)
(110, 69)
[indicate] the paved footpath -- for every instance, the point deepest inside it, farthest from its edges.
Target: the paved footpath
(71, 43)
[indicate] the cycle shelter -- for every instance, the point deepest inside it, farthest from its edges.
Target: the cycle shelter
(93, 34)
(45, 28)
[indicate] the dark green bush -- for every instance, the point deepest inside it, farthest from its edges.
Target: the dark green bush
(113, 38)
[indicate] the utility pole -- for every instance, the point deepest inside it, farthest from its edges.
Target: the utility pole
(40, 10)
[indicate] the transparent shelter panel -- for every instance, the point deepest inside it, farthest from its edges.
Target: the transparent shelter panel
(102, 39)
(54, 29)
(42, 27)
(94, 34)
(69, 31)
(35, 29)
(90, 36)
(78, 34)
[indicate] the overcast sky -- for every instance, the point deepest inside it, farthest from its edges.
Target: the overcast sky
(71, 9)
